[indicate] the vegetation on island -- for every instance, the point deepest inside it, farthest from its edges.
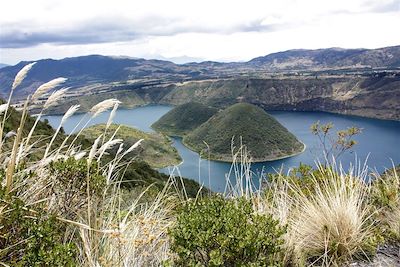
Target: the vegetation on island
(155, 149)
(65, 204)
(245, 124)
(183, 119)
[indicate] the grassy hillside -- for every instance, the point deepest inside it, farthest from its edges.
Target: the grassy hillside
(265, 138)
(155, 149)
(184, 119)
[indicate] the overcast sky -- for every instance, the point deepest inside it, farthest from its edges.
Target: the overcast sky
(221, 30)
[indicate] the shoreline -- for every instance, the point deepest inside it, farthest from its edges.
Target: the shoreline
(340, 113)
(252, 161)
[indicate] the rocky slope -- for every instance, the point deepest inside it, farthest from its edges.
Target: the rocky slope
(376, 97)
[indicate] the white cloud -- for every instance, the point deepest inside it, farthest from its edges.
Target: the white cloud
(209, 29)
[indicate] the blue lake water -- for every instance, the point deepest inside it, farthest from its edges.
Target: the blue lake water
(379, 142)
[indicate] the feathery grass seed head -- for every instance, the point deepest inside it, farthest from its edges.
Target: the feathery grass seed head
(44, 88)
(112, 114)
(21, 75)
(54, 98)
(93, 150)
(103, 106)
(3, 108)
(135, 145)
(71, 111)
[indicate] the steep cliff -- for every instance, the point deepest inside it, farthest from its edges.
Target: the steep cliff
(376, 97)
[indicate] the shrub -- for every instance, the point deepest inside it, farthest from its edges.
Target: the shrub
(225, 232)
(37, 239)
(385, 197)
(69, 184)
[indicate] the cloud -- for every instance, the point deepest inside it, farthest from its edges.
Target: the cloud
(383, 6)
(213, 30)
(116, 29)
(28, 38)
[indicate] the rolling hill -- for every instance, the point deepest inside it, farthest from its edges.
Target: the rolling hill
(265, 138)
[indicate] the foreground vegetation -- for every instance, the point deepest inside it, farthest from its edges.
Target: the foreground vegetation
(71, 205)
(155, 149)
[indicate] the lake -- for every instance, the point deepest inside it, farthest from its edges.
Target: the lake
(378, 143)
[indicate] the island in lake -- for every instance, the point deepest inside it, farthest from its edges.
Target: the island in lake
(184, 118)
(211, 133)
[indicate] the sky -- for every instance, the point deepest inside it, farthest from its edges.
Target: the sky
(186, 30)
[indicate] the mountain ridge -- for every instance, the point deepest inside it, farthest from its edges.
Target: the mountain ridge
(360, 82)
(331, 58)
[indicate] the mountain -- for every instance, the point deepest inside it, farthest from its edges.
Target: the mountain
(361, 82)
(102, 72)
(95, 70)
(3, 65)
(184, 119)
(265, 138)
(331, 58)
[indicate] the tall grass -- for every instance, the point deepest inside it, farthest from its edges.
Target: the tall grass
(329, 220)
(330, 216)
(114, 228)
(331, 224)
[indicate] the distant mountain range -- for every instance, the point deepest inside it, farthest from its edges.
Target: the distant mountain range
(3, 65)
(325, 79)
(331, 58)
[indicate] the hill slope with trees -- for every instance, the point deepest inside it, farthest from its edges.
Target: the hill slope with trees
(265, 138)
(184, 119)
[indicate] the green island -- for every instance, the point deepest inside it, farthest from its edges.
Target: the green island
(184, 118)
(156, 149)
(210, 133)
(265, 138)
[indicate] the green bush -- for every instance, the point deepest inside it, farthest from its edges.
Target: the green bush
(222, 232)
(385, 197)
(72, 174)
(33, 238)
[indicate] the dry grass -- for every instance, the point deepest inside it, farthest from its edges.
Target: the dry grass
(332, 225)
(328, 223)
(107, 230)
